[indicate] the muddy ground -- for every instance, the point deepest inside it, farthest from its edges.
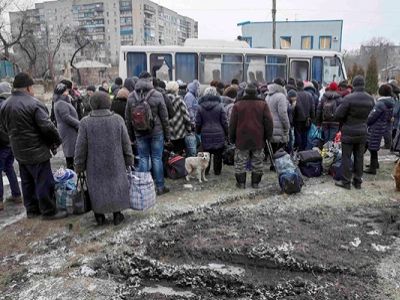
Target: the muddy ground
(212, 241)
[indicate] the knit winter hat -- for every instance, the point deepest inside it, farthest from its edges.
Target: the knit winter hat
(123, 93)
(118, 81)
(211, 91)
(22, 80)
(333, 86)
(343, 84)
(358, 81)
(5, 89)
(68, 83)
(292, 94)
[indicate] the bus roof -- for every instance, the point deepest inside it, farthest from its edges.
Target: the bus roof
(187, 49)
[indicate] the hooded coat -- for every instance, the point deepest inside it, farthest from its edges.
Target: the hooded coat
(379, 121)
(67, 123)
(353, 114)
(104, 151)
(158, 108)
(228, 103)
(191, 99)
(278, 105)
(305, 107)
(211, 123)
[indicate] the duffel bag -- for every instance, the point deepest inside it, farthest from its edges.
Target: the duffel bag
(228, 156)
(291, 182)
(311, 169)
(309, 156)
(283, 162)
(175, 167)
(142, 194)
(336, 170)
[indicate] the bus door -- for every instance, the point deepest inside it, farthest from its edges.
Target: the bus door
(300, 68)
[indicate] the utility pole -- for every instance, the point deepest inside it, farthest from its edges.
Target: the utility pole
(273, 24)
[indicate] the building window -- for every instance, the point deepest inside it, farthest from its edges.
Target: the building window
(325, 42)
(307, 42)
(286, 42)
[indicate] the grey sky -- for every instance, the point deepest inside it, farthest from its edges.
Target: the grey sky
(363, 19)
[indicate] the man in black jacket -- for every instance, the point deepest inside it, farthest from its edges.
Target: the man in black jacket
(32, 135)
(353, 114)
(304, 114)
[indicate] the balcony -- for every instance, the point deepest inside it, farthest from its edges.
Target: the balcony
(149, 9)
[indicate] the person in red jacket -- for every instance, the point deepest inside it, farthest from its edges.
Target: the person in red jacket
(250, 126)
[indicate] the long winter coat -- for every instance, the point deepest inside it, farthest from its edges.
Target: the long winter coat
(305, 107)
(379, 121)
(251, 123)
(118, 106)
(353, 114)
(67, 124)
(278, 105)
(228, 103)
(179, 124)
(103, 149)
(211, 123)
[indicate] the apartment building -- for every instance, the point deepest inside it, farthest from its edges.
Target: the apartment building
(110, 23)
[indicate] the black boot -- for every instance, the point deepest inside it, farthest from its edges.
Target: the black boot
(118, 218)
(255, 179)
(368, 166)
(371, 169)
(100, 219)
(343, 185)
(241, 180)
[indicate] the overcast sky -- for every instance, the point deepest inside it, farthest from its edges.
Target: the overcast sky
(363, 19)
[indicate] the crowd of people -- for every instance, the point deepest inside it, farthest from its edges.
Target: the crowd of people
(102, 131)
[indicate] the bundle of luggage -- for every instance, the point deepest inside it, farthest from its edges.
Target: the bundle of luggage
(289, 177)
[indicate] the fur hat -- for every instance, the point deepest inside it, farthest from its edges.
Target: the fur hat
(5, 89)
(333, 86)
(123, 93)
(172, 87)
(100, 100)
(129, 84)
(144, 74)
(343, 84)
(358, 81)
(22, 80)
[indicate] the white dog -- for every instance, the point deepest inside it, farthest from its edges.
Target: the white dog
(197, 164)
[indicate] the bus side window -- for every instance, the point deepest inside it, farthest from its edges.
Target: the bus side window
(161, 66)
(136, 63)
(210, 68)
(232, 68)
(255, 68)
(276, 67)
(299, 69)
(186, 66)
(317, 64)
(332, 70)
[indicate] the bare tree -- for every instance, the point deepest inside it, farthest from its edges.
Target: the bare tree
(30, 46)
(82, 41)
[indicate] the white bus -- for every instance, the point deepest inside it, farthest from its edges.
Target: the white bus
(226, 62)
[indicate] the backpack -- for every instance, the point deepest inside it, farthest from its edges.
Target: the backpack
(142, 116)
(291, 182)
(329, 109)
(175, 167)
(228, 156)
(311, 169)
